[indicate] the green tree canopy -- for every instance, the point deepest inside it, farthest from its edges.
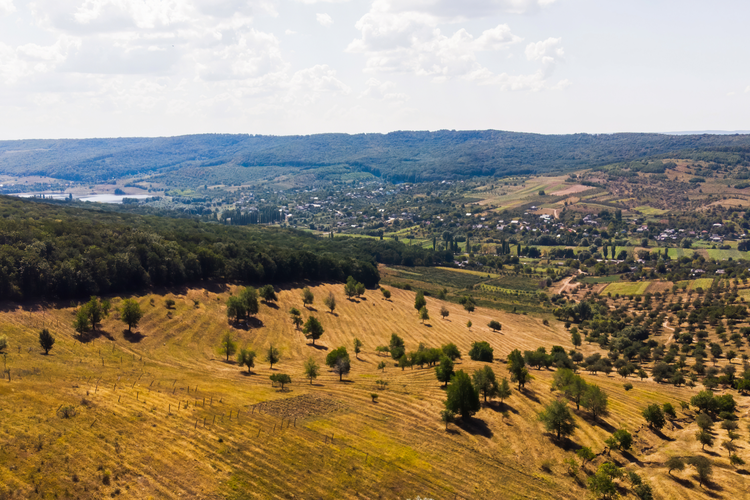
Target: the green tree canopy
(462, 397)
(557, 418)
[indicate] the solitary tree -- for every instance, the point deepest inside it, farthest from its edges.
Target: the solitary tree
(350, 288)
(307, 296)
(330, 302)
(357, 347)
(386, 293)
(423, 314)
(272, 355)
(485, 382)
(444, 312)
(342, 367)
(228, 346)
(381, 366)
(130, 313)
(557, 418)
(495, 325)
(46, 340)
(312, 369)
(246, 357)
(654, 416)
(462, 398)
(267, 293)
(622, 439)
(419, 301)
(313, 329)
(281, 378)
(444, 371)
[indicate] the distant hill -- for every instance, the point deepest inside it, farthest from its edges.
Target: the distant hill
(396, 156)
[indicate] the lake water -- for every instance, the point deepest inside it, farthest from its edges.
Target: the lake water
(112, 198)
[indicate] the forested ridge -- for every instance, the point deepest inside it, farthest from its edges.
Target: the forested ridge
(49, 250)
(396, 156)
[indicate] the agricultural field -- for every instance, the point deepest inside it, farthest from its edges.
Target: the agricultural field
(159, 412)
(703, 283)
(627, 288)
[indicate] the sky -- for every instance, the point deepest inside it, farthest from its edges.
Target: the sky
(123, 68)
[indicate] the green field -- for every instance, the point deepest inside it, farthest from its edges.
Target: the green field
(469, 271)
(507, 291)
(726, 254)
(704, 283)
(600, 279)
(646, 210)
(627, 288)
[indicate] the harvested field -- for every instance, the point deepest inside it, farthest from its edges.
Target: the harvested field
(576, 188)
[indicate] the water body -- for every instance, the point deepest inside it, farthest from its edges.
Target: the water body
(112, 198)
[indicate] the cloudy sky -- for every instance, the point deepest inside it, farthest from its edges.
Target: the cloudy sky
(107, 68)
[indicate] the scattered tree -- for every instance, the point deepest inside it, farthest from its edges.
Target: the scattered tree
(448, 417)
(674, 463)
(131, 313)
(503, 391)
(575, 337)
(386, 293)
(602, 483)
(704, 438)
(586, 455)
(281, 378)
(272, 355)
(46, 340)
(423, 314)
(654, 416)
(444, 371)
(557, 418)
(246, 357)
(481, 351)
(444, 312)
(595, 400)
(312, 369)
(313, 329)
(702, 467)
(462, 397)
(517, 368)
(381, 366)
(357, 347)
(307, 296)
(419, 301)
(296, 317)
(228, 346)
(338, 360)
(267, 293)
(485, 382)
(330, 302)
(81, 323)
(495, 325)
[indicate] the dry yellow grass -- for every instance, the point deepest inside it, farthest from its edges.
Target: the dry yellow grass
(133, 385)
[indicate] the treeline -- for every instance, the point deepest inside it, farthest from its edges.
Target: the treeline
(397, 156)
(58, 252)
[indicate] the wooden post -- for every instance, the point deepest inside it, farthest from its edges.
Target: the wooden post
(214, 421)
(196, 424)
(118, 398)
(170, 409)
(274, 428)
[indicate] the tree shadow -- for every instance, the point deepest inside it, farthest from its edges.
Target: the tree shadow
(310, 308)
(228, 361)
(475, 427)
(529, 394)
(133, 337)
(498, 407)
(272, 305)
(318, 347)
(427, 325)
(92, 335)
(248, 324)
(453, 431)
(630, 458)
(712, 453)
(685, 483)
(743, 472)
(245, 373)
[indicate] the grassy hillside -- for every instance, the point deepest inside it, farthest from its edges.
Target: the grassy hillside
(162, 414)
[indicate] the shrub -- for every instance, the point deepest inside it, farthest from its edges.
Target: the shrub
(627, 386)
(169, 303)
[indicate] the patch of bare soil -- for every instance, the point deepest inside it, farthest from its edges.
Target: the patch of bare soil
(307, 405)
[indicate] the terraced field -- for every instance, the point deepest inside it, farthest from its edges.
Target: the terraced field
(703, 283)
(160, 413)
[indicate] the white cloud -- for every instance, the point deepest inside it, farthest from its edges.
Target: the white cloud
(308, 85)
(7, 7)
(324, 19)
(313, 2)
(747, 89)
(382, 91)
(452, 10)
(290, 32)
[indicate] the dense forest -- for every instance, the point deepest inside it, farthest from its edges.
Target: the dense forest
(396, 156)
(49, 250)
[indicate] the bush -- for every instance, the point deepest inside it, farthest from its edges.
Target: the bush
(169, 303)
(67, 411)
(627, 386)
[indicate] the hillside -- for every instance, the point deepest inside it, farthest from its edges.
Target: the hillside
(396, 156)
(161, 414)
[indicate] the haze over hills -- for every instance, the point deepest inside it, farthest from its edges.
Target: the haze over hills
(396, 156)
